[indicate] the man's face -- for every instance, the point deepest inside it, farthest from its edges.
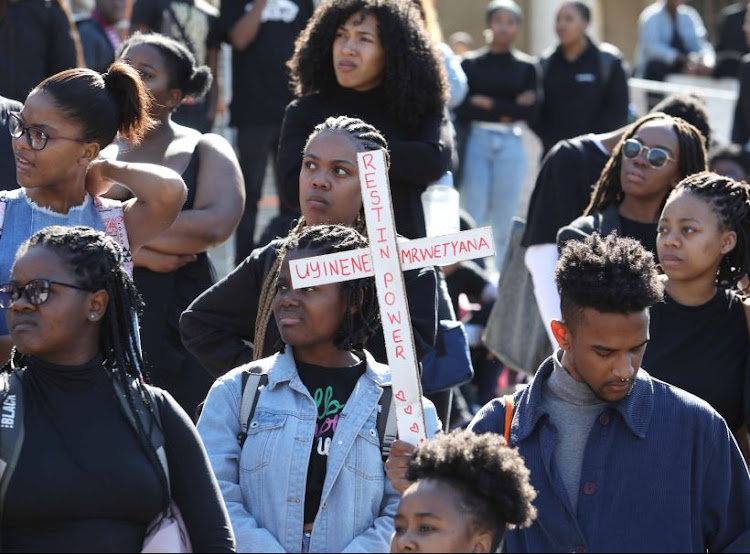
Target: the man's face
(604, 350)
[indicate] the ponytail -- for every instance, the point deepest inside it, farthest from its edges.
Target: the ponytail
(102, 105)
(132, 98)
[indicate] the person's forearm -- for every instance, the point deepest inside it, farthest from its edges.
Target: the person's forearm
(149, 183)
(194, 231)
(246, 29)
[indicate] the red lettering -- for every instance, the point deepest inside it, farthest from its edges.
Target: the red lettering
(367, 158)
(394, 318)
(375, 195)
(370, 180)
(389, 298)
(377, 211)
(483, 243)
(387, 279)
(381, 232)
(307, 270)
(385, 253)
(400, 352)
(397, 336)
(346, 269)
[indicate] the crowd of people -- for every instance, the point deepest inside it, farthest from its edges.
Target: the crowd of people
(184, 412)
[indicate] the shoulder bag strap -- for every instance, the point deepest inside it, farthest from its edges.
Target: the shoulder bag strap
(11, 430)
(509, 402)
(253, 380)
(387, 426)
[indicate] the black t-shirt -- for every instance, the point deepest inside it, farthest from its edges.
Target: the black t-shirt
(191, 22)
(643, 232)
(563, 188)
(704, 350)
(331, 389)
(260, 84)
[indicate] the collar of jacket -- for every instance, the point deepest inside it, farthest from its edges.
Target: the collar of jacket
(635, 409)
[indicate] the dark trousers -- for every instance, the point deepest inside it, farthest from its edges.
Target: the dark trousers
(254, 144)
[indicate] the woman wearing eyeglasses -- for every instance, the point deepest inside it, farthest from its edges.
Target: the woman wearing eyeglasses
(84, 476)
(65, 122)
(649, 160)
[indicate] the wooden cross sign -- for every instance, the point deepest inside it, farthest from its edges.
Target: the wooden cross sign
(386, 259)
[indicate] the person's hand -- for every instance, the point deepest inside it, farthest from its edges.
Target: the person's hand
(97, 181)
(481, 101)
(160, 262)
(526, 98)
(395, 465)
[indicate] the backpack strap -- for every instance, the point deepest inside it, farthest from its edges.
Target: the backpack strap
(253, 380)
(3, 205)
(11, 429)
(509, 402)
(113, 218)
(387, 426)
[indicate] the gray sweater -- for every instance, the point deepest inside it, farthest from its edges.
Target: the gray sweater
(573, 409)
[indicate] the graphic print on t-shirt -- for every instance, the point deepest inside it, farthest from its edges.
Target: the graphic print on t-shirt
(277, 10)
(329, 410)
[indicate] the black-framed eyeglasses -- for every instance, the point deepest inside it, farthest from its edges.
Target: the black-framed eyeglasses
(35, 138)
(656, 157)
(36, 291)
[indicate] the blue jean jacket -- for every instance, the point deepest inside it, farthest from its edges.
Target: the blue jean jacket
(263, 484)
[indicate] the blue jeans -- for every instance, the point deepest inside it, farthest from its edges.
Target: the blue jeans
(494, 169)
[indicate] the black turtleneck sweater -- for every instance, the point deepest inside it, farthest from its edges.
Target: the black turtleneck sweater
(502, 77)
(83, 482)
(418, 156)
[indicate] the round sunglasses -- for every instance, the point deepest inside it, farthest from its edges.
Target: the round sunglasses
(36, 291)
(656, 157)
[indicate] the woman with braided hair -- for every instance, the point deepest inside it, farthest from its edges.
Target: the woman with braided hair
(650, 158)
(699, 334)
(309, 476)
(220, 323)
(87, 477)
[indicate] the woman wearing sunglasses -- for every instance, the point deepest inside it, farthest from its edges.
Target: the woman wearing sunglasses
(650, 159)
(65, 122)
(85, 477)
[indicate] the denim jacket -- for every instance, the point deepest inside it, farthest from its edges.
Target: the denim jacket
(263, 484)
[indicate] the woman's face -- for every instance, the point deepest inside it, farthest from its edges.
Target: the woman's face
(308, 318)
(429, 519)
(65, 155)
(690, 240)
(358, 56)
(63, 329)
(504, 27)
(641, 180)
(329, 180)
(570, 25)
(154, 72)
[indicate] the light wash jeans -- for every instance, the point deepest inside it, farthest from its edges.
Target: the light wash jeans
(494, 169)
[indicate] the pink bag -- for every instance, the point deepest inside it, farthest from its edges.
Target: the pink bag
(167, 533)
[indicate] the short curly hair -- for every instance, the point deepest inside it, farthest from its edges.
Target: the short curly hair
(609, 274)
(414, 82)
(492, 480)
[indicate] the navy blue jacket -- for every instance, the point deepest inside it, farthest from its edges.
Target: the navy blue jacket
(661, 473)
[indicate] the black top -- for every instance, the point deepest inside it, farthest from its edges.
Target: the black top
(502, 77)
(166, 296)
(576, 98)
(418, 157)
(331, 389)
(609, 221)
(563, 188)
(35, 42)
(97, 49)
(84, 483)
(191, 22)
(732, 44)
(260, 84)
(7, 158)
(645, 233)
(741, 123)
(704, 350)
(468, 278)
(219, 325)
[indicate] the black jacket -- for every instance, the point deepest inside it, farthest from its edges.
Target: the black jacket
(97, 49)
